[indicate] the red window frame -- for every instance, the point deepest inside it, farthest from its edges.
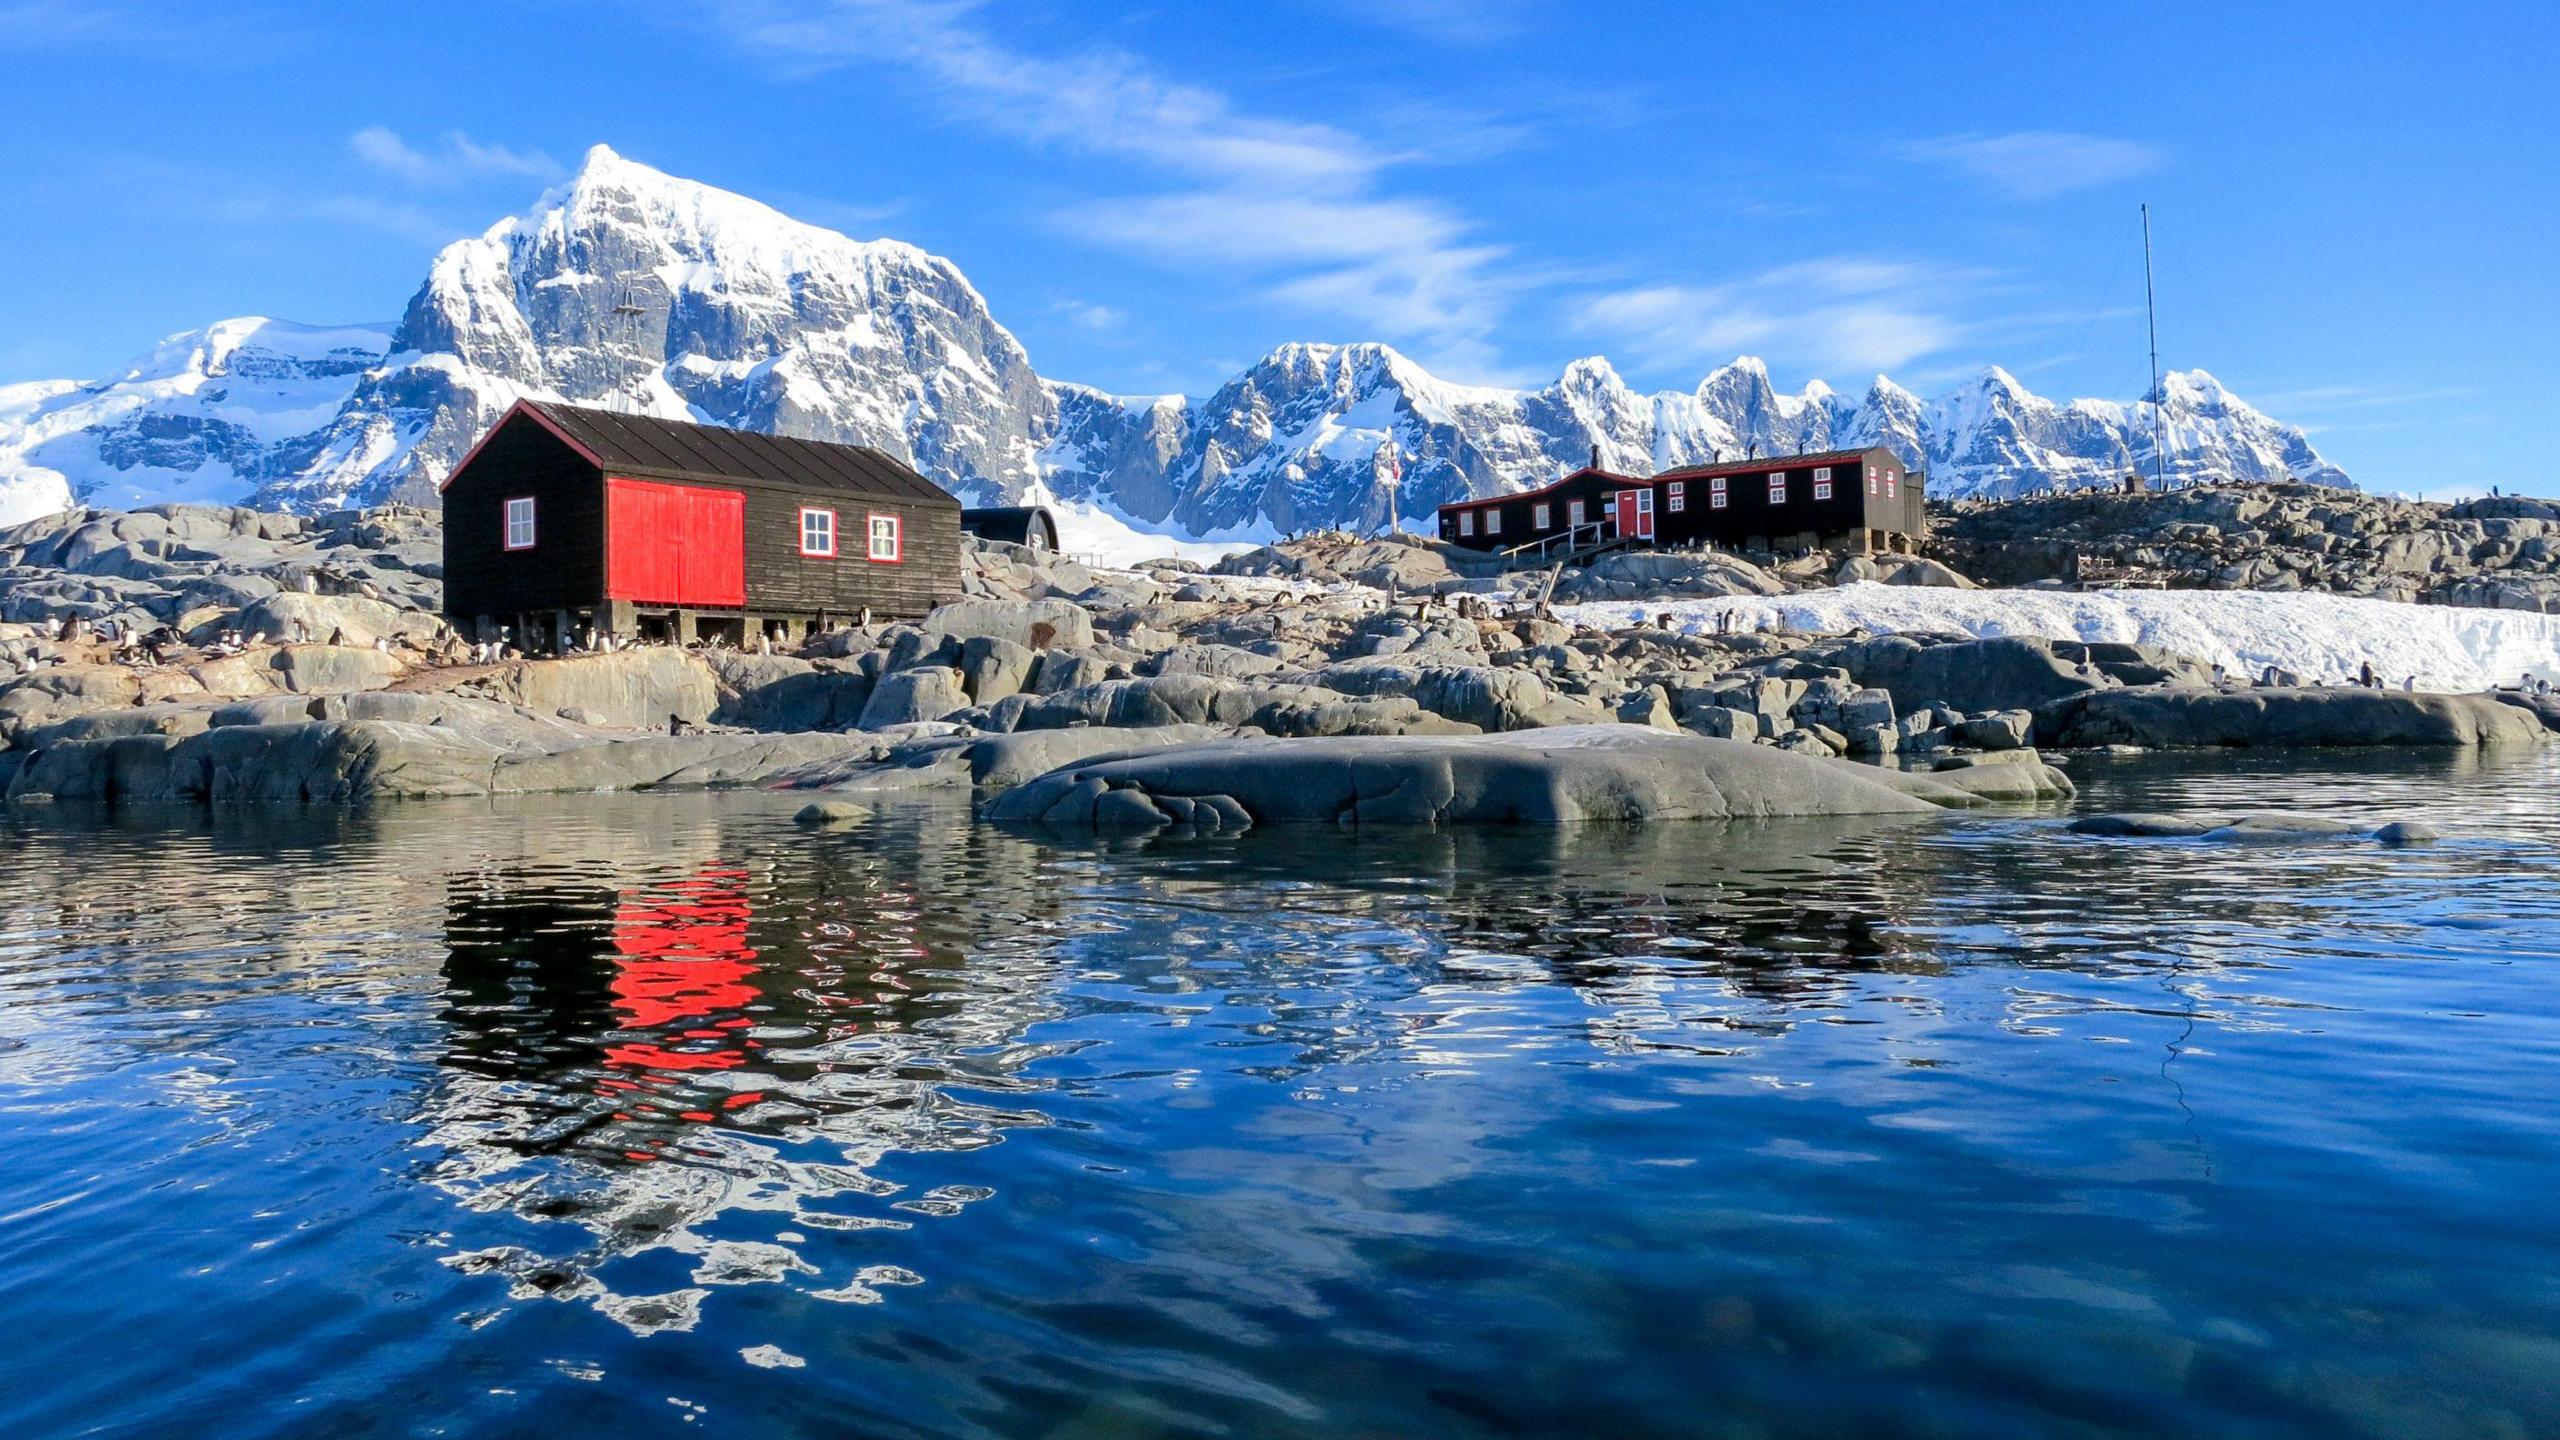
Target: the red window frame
(507, 522)
(1888, 484)
(871, 539)
(835, 542)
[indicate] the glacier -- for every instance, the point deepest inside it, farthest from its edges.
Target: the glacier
(632, 288)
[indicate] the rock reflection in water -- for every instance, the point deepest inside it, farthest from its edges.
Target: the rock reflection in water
(652, 1046)
(1959, 1126)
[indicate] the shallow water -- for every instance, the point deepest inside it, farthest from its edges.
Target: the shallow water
(621, 1115)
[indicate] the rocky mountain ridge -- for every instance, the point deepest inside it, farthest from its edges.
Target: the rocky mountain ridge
(633, 288)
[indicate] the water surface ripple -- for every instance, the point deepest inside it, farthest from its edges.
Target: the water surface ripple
(622, 1115)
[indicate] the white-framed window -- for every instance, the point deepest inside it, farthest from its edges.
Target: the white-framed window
(1821, 473)
(817, 531)
(1888, 484)
(1871, 479)
(1542, 517)
(1777, 487)
(1676, 496)
(1573, 513)
(1493, 522)
(1821, 484)
(1644, 510)
(520, 523)
(1466, 522)
(1716, 496)
(887, 546)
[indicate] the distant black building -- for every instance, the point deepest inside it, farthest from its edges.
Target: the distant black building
(564, 516)
(1864, 500)
(1030, 526)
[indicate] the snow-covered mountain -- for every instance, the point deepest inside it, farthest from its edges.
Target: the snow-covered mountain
(633, 288)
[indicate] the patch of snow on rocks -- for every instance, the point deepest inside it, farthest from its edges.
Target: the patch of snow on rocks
(2322, 638)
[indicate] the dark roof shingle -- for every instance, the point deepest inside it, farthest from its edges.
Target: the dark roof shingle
(642, 445)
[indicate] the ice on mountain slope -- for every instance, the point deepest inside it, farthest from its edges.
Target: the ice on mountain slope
(202, 418)
(632, 288)
(2318, 637)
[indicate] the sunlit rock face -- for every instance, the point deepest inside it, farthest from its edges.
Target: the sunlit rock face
(638, 290)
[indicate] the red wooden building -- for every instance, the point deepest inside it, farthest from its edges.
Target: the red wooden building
(1854, 499)
(565, 518)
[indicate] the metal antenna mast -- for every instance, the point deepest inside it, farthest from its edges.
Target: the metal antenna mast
(2159, 398)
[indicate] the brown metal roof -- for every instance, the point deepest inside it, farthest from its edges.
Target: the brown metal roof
(642, 445)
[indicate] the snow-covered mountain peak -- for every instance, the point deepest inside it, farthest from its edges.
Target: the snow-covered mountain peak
(629, 287)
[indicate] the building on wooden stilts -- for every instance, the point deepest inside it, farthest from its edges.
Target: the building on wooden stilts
(565, 520)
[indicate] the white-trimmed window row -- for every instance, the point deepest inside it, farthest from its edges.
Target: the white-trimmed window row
(1466, 522)
(1717, 494)
(1777, 487)
(1676, 496)
(1493, 522)
(1822, 482)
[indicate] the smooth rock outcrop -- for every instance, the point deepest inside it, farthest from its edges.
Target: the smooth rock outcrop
(631, 689)
(909, 697)
(2141, 824)
(1031, 624)
(1567, 775)
(2163, 717)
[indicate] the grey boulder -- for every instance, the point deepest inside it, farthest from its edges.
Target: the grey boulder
(2162, 717)
(1560, 776)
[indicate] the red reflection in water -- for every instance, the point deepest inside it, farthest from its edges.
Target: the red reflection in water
(682, 979)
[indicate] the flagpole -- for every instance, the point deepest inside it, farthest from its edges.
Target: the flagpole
(1394, 475)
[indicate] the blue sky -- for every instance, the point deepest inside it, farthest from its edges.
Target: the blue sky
(2354, 203)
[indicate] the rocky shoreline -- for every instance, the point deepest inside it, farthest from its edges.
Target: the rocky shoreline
(1366, 682)
(2498, 553)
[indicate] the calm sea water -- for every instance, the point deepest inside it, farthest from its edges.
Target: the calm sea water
(652, 1114)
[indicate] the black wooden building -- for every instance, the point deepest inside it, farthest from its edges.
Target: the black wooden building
(1865, 500)
(1030, 526)
(563, 517)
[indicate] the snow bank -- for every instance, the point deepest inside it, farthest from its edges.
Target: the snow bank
(2319, 637)
(1101, 534)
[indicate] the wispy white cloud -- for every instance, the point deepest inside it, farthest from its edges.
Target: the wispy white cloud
(2038, 164)
(1090, 317)
(2332, 399)
(1840, 314)
(1306, 206)
(1447, 22)
(457, 157)
(1099, 100)
(211, 35)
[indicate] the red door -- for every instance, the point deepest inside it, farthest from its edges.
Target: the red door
(1635, 513)
(675, 544)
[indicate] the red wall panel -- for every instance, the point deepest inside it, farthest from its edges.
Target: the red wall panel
(675, 544)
